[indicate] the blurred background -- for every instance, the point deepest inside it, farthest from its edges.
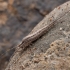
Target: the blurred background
(17, 19)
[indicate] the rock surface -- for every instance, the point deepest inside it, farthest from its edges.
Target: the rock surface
(51, 51)
(17, 18)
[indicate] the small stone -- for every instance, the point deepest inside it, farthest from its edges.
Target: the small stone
(3, 6)
(3, 19)
(61, 28)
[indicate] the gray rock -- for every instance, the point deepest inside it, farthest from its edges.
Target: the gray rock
(30, 58)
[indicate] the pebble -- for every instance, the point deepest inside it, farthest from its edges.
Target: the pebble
(3, 6)
(61, 28)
